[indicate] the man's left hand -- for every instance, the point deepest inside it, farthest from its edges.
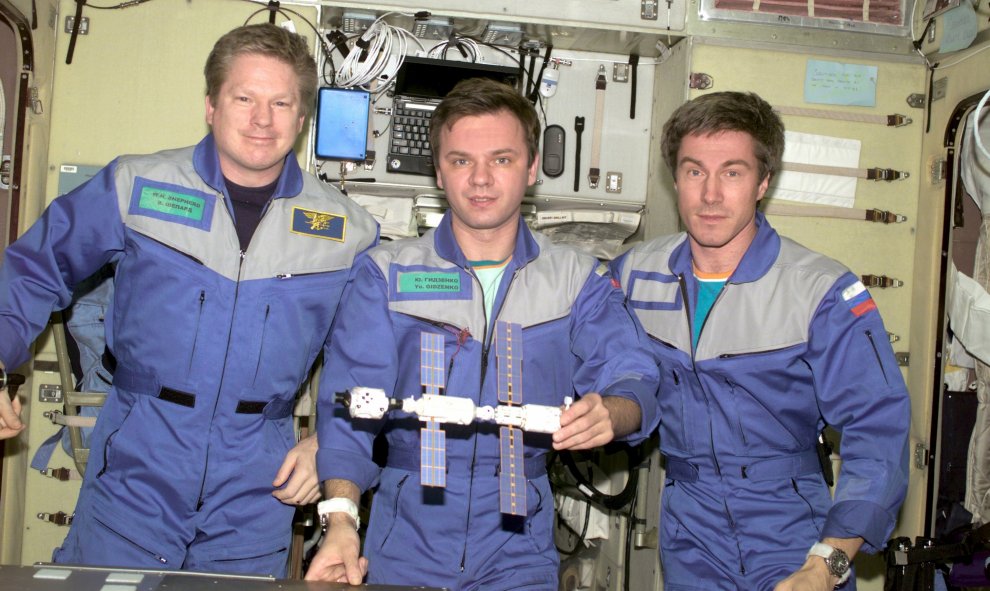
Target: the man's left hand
(296, 482)
(585, 425)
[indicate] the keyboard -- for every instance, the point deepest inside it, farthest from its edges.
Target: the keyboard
(409, 142)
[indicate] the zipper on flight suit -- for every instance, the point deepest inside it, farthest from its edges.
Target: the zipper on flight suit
(876, 353)
(711, 431)
(487, 345)
(687, 312)
(199, 318)
(261, 347)
(223, 372)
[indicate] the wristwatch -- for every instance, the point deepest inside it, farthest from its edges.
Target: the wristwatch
(836, 560)
(338, 505)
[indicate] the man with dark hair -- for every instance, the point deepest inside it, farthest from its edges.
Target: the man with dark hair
(761, 343)
(459, 284)
(230, 262)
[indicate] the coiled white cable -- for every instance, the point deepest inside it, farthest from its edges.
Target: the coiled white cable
(385, 48)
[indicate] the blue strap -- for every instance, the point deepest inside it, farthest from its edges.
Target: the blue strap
(44, 454)
(754, 469)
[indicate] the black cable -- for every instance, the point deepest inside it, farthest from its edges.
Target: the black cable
(634, 66)
(76, 25)
(611, 502)
(118, 6)
(580, 539)
(630, 526)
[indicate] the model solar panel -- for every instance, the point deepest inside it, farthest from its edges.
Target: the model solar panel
(433, 440)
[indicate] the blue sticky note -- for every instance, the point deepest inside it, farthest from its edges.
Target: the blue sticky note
(835, 83)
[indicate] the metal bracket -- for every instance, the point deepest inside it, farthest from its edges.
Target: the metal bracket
(885, 174)
(70, 21)
(939, 88)
(59, 518)
(50, 393)
(700, 81)
(886, 217)
(881, 281)
(921, 456)
(613, 182)
(938, 169)
(648, 10)
(620, 72)
(898, 120)
(62, 474)
(916, 100)
(647, 539)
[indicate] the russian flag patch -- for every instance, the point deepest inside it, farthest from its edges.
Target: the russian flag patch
(858, 299)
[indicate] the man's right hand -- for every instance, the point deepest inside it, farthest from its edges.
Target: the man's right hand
(10, 419)
(337, 560)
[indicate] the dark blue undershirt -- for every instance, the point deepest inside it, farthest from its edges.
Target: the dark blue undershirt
(248, 205)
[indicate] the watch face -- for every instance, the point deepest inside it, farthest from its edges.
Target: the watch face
(838, 563)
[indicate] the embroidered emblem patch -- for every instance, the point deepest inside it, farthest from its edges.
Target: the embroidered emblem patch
(858, 299)
(172, 203)
(318, 224)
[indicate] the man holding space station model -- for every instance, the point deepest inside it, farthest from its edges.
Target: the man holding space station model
(479, 308)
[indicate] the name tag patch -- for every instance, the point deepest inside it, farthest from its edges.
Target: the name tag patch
(424, 282)
(428, 283)
(172, 203)
(318, 224)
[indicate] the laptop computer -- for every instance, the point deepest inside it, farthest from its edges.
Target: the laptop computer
(420, 85)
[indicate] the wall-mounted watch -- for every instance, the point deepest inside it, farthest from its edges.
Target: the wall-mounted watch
(836, 560)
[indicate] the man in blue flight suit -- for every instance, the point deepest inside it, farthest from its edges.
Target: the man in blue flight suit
(482, 265)
(760, 343)
(230, 262)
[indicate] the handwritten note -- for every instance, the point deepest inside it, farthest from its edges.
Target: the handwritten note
(835, 83)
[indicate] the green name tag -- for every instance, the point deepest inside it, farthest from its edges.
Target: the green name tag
(172, 203)
(429, 282)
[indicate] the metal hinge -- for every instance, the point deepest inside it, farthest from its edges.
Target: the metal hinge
(921, 456)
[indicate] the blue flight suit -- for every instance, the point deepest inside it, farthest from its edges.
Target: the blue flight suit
(211, 344)
(792, 343)
(577, 338)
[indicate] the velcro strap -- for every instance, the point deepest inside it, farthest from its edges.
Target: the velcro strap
(271, 409)
(754, 469)
(408, 459)
(177, 397)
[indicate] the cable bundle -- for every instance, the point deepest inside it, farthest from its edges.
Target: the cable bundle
(382, 48)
